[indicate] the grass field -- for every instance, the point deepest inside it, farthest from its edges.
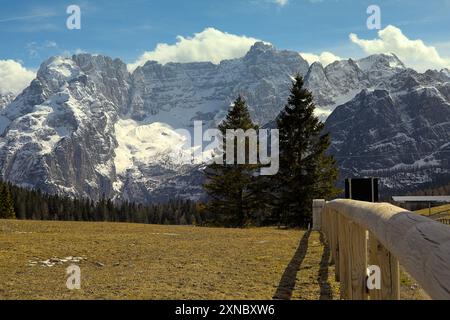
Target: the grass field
(434, 210)
(132, 261)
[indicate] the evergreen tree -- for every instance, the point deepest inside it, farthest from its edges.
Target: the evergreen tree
(230, 186)
(6, 202)
(306, 171)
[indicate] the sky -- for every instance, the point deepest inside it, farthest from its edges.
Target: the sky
(211, 30)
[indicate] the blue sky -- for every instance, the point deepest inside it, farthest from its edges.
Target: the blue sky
(31, 31)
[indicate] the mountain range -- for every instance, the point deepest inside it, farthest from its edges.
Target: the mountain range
(88, 127)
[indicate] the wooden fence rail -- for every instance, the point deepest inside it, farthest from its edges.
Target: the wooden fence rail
(363, 234)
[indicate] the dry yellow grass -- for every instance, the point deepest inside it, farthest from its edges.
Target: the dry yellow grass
(153, 262)
(434, 210)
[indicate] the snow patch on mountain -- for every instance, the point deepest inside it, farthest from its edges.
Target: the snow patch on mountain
(147, 143)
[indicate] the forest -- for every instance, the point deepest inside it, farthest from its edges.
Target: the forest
(22, 203)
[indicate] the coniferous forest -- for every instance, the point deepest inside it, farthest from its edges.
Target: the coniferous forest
(20, 203)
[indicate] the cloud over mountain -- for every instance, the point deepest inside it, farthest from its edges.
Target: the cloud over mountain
(415, 53)
(325, 58)
(14, 77)
(209, 45)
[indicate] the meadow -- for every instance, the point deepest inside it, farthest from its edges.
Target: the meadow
(137, 261)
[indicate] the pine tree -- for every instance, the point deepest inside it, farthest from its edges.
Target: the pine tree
(230, 186)
(6, 202)
(306, 171)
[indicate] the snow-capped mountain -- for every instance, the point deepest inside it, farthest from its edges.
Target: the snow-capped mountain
(401, 135)
(178, 93)
(340, 81)
(88, 127)
(58, 135)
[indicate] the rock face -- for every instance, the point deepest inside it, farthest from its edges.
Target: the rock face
(87, 127)
(5, 99)
(400, 134)
(179, 93)
(59, 134)
(340, 81)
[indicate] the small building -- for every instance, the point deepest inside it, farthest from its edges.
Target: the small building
(430, 200)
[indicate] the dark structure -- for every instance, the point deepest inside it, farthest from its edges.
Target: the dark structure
(362, 189)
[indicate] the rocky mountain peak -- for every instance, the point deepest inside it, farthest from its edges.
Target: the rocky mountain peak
(316, 66)
(261, 47)
(380, 61)
(261, 54)
(89, 62)
(58, 69)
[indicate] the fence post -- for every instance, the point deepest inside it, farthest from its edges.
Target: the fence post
(318, 207)
(344, 263)
(390, 271)
(358, 262)
(335, 247)
(333, 234)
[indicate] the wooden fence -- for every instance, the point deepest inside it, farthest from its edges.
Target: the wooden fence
(363, 234)
(442, 217)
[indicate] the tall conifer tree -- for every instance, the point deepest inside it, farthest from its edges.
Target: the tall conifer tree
(230, 186)
(306, 171)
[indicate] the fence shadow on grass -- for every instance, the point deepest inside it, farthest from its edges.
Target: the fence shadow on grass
(325, 288)
(287, 282)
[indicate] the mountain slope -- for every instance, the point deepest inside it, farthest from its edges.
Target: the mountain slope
(59, 134)
(342, 80)
(400, 135)
(179, 93)
(5, 99)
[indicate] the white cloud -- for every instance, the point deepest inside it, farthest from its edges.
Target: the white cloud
(40, 14)
(14, 77)
(281, 3)
(325, 58)
(209, 45)
(414, 53)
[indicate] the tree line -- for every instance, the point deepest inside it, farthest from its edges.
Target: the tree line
(22, 203)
